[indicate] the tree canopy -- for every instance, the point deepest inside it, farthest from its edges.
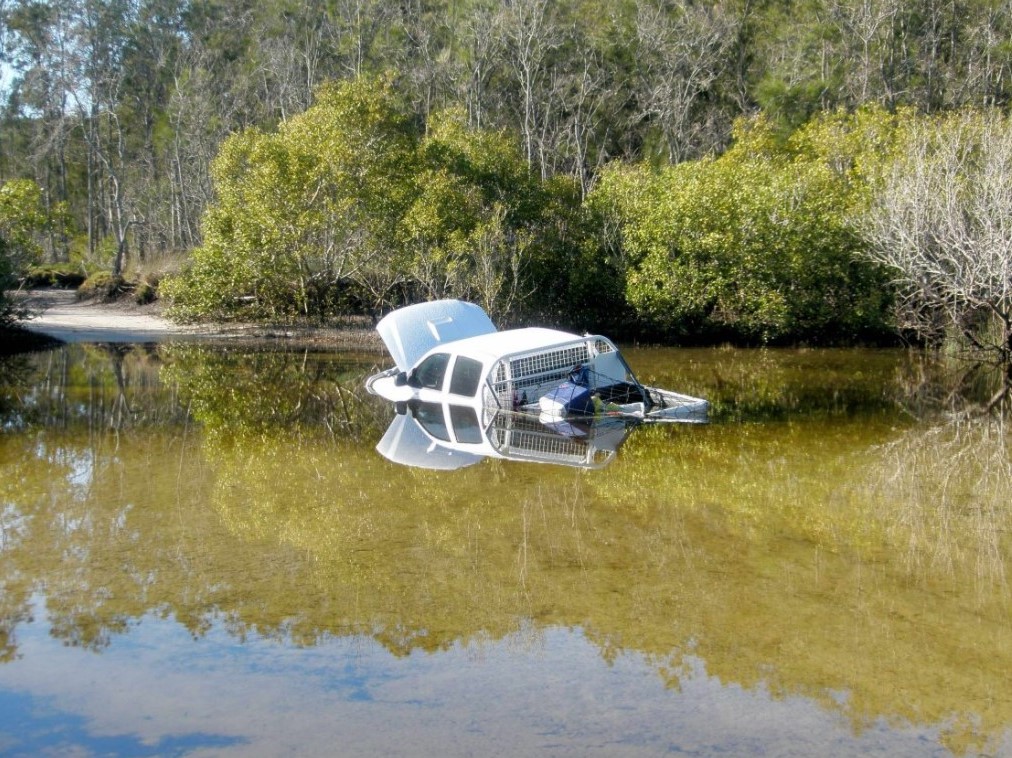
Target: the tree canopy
(351, 201)
(757, 244)
(21, 218)
(354, 154)
(119, 109)
(942, 223)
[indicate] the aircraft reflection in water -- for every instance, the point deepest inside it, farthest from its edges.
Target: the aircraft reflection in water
(446, 437)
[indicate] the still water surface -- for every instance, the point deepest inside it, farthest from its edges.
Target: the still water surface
(202, 553)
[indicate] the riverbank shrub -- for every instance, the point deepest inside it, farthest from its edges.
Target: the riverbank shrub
(102, 285)
(301, 210)
(484, 228)
(146, 291)
(941, 222)
(757, 245)
(353, 205)
(22, 219)
(59, 275)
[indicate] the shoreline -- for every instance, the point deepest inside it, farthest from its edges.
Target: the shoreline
(56, 314)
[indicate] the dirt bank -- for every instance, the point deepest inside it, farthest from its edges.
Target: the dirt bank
(59, 314)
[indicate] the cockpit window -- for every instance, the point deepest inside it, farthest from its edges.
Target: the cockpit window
(465, 424)
(466, 376)
(430, 416)
(430, 372)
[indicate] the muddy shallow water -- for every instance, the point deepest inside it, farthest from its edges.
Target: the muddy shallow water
(202, 553)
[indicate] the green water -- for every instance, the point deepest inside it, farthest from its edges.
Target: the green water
(202, 553)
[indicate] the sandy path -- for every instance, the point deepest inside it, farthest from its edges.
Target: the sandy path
(58, 313)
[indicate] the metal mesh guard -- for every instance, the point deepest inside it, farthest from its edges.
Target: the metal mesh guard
(541, 363)
(527, 371)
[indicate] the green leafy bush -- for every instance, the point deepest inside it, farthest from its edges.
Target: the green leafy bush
(145, 292)
(62, 275)
(756, 245)
(301, 210)
(102, 285)
(350, 205)
(22, 218)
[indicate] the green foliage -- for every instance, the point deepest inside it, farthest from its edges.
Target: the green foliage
(103, 285)
(856, 146)
(304, 210)
(754, 245)
(349, 201)
(481, 227)
(64, 275)
(22, 219)
(591, 294)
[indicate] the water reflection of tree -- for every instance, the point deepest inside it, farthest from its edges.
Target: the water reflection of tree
(13, 373)
(272, 391)
(948, 488)
(70, 405)
(931, 384)
(791, 582)
(776, 554)
(769, 385)
(102, 386)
